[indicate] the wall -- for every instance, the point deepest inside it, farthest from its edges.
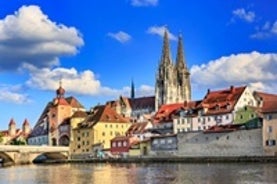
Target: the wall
(238, 143)
(270, 133)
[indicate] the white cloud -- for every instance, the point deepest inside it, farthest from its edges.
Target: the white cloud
(254, 69)
(80, 83)
(12, 94)
(29, 36)
(120, 36)
(242, 14)
(266, 31)
(144, 2)
(159, 30)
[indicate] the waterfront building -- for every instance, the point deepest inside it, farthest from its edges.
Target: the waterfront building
(100, 126)
(52, 125)
(140, 130)
(268, 109)
(164, 145)
(163, 119)
(172, 80)
(249, 116)
(120, 145)
(15, 135)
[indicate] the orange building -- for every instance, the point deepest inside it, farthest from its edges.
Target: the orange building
(53, 126)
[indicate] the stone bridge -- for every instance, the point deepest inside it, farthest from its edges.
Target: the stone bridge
(10, 155)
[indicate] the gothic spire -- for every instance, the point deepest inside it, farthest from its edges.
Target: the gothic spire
(166, 51)
(132, 90)
(180, 60)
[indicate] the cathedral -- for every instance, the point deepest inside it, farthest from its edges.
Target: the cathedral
(172, 79)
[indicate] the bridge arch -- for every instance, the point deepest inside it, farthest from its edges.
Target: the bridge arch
(40, 157)
(6, 158)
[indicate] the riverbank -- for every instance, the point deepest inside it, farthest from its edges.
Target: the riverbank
(267, 159)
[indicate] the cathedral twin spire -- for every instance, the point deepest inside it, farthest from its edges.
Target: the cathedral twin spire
(166, 56)
(172, 80)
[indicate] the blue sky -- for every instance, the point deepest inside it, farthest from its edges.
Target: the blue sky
(98, 47)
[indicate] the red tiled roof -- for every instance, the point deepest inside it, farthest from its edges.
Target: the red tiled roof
(221, 101)
(73, 102)
(79, 114)
(136, 128)
(269, 102)
(61, 101)
(166, 111)
(102, 113)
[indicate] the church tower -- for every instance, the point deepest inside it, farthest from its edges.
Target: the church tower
(172, 80)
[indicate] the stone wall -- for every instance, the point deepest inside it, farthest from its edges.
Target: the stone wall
(237, 143)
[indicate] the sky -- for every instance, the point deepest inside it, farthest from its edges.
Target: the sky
(96, 48)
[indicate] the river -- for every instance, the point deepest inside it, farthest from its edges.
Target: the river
(248, 173)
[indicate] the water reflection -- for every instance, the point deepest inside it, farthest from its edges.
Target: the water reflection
(140, 173)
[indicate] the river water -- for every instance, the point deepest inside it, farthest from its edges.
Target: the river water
(248, 173)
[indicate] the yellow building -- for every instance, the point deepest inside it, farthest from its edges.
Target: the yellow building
(100, 126)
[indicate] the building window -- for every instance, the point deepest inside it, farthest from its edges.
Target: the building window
(111, 126)
(227, 116)
(155, 142)
(169, 141)
(78, 138)
(269, 129)
(162, 141)
(269, 117)
(106, 126)
(125, 143)
(103, 133)
(199, 120)
(270, 142)
(114, 145)
(119, 144)
(227, 137)
(209, 119)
